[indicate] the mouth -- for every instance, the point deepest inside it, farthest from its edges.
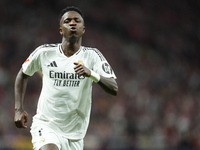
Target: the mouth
(73, 29)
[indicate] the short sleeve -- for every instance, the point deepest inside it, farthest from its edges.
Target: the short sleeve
(101, 65)
(32, 63)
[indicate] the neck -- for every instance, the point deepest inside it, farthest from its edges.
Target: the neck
(69, 48)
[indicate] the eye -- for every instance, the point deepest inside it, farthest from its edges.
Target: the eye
(67, 20)
(77, 20)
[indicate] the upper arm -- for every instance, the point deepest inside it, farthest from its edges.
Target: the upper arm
(21, 75)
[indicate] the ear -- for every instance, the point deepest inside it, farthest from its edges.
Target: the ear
(60, 30)
(83, 29)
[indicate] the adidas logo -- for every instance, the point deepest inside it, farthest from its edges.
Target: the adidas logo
(52, 64)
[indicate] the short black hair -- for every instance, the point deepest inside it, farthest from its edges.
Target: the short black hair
(70, 8)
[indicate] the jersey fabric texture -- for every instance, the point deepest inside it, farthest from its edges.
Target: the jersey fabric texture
(65, 100)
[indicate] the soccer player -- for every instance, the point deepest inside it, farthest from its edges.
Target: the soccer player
(68, 71)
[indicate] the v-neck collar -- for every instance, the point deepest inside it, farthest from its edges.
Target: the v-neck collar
(62, 53)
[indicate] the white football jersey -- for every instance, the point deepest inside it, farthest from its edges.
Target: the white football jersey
(65, 99)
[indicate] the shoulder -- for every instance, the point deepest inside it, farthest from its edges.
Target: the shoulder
(94, 52)
(89, 49)
(44, 48)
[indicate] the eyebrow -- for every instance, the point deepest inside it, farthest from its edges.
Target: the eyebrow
(71, 18)
(75, 17)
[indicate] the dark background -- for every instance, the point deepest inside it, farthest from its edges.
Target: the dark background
(153, 47)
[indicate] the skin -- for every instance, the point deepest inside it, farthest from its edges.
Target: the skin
(72, 29)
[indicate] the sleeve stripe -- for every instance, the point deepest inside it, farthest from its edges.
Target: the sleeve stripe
(36, 50)
(97, 51)
(43, 46)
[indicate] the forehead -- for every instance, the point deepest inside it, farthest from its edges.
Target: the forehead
(71, 14)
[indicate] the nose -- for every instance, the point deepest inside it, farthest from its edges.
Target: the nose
(72, 22)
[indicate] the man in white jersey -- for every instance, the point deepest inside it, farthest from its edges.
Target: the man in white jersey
(68, 70)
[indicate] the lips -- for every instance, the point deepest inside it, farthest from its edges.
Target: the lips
(73, 29)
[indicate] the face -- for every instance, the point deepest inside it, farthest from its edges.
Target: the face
(72, 25)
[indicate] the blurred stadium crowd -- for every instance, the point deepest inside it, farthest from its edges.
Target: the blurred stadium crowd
(153, 47)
